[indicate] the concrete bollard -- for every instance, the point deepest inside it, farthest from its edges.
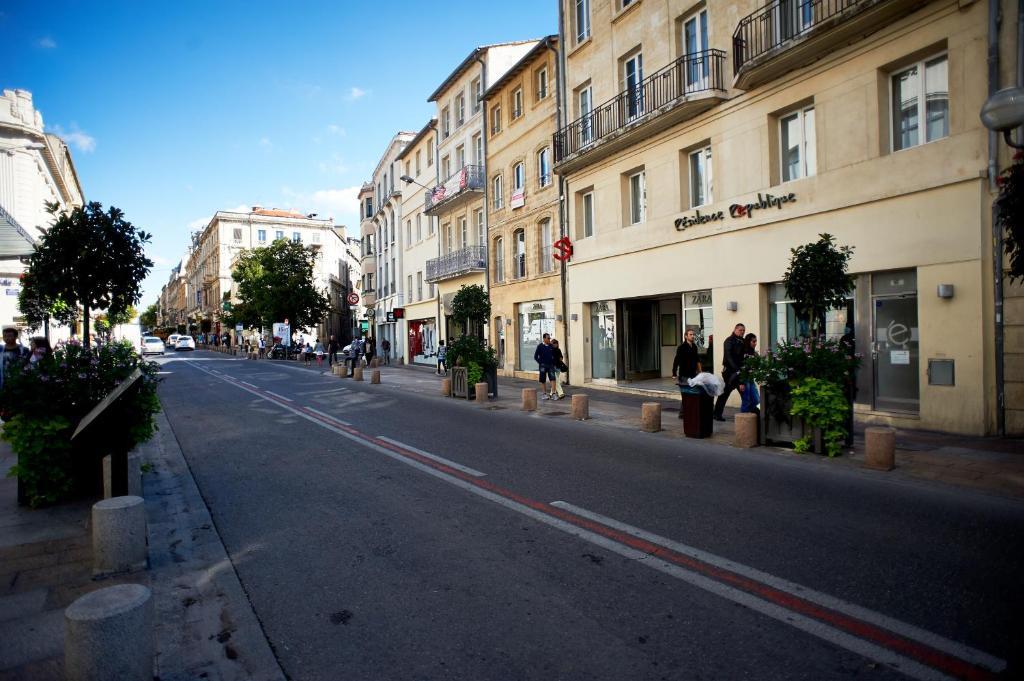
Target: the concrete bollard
(746, 431)
(374, 363)
(580, 407)
(375, 377)
(446, 387)
(480, 392)
(880, 448)
(118, 535)
(651, 417)
(529, 399)
(108, 635)
(357, 374)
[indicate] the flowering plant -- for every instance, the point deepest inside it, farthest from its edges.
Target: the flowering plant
(793, 361)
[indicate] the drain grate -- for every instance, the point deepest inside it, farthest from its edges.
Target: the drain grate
(555, 413)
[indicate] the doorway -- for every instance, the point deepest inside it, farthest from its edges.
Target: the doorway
(642, 340)
(895, 339)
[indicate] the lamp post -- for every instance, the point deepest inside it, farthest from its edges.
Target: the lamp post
(1003, 112)
(408, 180)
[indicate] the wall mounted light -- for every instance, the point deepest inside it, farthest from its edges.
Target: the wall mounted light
(732, 306)
(945, 290)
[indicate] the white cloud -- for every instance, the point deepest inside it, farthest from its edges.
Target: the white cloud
(337, 129)
(201, 223)
(355, 93)
(265, 143)
(340, 204)
(79, 139)
(47, 43)
(333, 166)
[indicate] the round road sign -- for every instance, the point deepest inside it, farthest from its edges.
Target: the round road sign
(353, 298)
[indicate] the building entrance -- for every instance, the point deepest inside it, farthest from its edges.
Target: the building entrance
(895, 340)
(642, 338)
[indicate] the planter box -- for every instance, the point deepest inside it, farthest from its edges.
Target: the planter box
(784, 430)
(460, 383)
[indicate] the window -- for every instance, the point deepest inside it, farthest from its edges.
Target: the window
(481, 237)
(261, 235)
(797, 145)
(633, 76)
(393, 270)
(408, 286)
(278, 234)
(546, 261)
(495, 120)
(920, 93)
(408, 231)
(316, 237)
(464, 232)
(542, 84)
(517, 103)
(582, 15)
(586, 107)
(536, 318)
(477, 93)
(587, 208)
(496, 191)
(695, 43)
(700, 177)
(417, 162)
(419, 285)
(368, 208)
(237, 234)
(296, 237)
(419, 227)
(637, 198)
(478, 149)
(446, 123)
(518, 177)
(499, 260)
(460, 110)
(430, 226)
(544, 167)
(460, 157)
(626, 3)
(519, 257)
(430, 155)
(369, 282)
(446, 170)
(430, 290)
(448, 237)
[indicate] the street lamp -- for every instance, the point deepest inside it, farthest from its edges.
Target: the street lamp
(1003, 112)
(408, 180)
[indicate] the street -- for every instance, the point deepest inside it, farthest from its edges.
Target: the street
(381, 534)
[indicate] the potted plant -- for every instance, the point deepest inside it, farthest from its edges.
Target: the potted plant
(471, 351)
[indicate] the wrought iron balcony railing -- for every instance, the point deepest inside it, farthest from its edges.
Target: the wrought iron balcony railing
(469, 178)
(688, 75)
(457, 263)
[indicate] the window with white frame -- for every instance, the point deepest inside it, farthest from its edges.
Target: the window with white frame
(297, 237)
(797, 146)
(518, 177)
(476, 92)
(478, 149)
(408, 286)
(481, 236)
(316, 237)
(460, 110)
(637, 198)
(449, 247)
(418, 167)
(496, 190)
(582, 20)
(496, 120)
(419, 285)
(419, 227)
(463, 232)
(544, 167)
(700, 177)
(542, 83)
(632, 79)
(920, 93)
(547, 263)
(517, 103)
(499, 260)
(446, 123)
(446, 169)
(460, 157)
(408, 231)
(587, 209)
(519, 257)
(585, 97)
(261, 235)
(430, 155)
(237, 234)
(695, 43)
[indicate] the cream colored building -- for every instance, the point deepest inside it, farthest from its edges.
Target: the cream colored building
(704, 141)
(457, 199)
(368, 262)
(419, 237)
(523, 210)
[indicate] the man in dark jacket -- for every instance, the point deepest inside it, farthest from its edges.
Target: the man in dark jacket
(332, 350)
(732, 362)
(687, 361)
(544, 355)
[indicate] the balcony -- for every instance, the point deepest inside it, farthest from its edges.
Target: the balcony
(466, 182)
(369, 297)
(457, 263)
(688, 86)
(787, 34)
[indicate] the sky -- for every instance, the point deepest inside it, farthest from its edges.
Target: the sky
(175, 110)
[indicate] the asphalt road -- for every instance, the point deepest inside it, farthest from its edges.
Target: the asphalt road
(476, 544)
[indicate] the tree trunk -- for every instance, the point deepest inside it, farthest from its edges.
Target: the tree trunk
(85, 325)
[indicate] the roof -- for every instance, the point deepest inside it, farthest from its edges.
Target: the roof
(461, 68)
(521, 64)
(431, 124)
(276, 213)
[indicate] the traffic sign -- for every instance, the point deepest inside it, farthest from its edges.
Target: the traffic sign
(370, 313)
(353, 298)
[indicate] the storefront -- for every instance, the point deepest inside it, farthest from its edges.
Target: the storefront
(423, 341)
(535, 319)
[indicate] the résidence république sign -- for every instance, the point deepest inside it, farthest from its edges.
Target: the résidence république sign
(736, 210)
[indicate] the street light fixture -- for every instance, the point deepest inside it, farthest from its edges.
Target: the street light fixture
(409, 180)
(1003, 112)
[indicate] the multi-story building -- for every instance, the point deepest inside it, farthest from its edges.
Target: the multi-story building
(174, 300)
(457, 200)
(368, 261)
(523, 209)
(387, 222)
(36, 168)
(420, 245)
(703, 141)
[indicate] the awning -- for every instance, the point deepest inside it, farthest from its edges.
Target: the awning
(15, 242)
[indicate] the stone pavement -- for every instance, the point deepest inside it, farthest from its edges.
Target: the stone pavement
(205, 626)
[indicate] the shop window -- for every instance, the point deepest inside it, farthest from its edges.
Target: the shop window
(786, 325)
(602, 339)
(699, 317)
(535, 319)
(920, 93)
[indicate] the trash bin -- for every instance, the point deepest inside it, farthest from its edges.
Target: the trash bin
(698, 412)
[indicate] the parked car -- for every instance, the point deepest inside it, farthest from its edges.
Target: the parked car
(151, 345)
(172, 340)
(185, 343)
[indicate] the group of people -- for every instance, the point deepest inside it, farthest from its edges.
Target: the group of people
(14, 353)
(737, 347)
(552, 368)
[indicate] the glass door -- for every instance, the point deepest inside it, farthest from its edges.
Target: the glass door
(643, 340)
(634, 76)
(602, 339)
(895, 340)
(695, 42)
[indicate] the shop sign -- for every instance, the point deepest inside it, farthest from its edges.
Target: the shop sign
(736, 210)
(399, 313)
(564, 248)
(518, 199)
(12, 291)
(698, 299)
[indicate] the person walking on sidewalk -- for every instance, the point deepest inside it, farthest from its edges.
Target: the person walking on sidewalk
(262, 347)
(561, 369)
(544, 356)
(750, 400)
(369, 350)
(732, 361)
(686, 365)
(332, 351)
(319, 351)
(442, 359)
(355, 352)
(385, 347)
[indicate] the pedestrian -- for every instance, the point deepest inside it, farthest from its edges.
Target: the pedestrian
(561, 369)
(14, 355)
(750, 400)
(40, 349)
(686, 364)
(369, 350)
(385, 347)
(319, 351)
(306, 353)
(332, 350)
(355, 351)
(732, 362)
(545, 359)
(262, 347)
(442, 359)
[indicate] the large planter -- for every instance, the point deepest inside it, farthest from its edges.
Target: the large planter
(778, 427)
(460, 383)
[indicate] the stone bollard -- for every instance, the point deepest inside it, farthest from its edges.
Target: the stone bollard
(580, 407)
(335, 370)
(880, 448)
(651, 417)
(108, 635)
(529, 399)
(375, 377)
(480, 392)
(746, 431)
(357, 374)
(446, 387)
(374, 363)
(118, 535)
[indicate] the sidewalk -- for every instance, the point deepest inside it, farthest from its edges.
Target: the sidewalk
(991, 465)
(205, 627)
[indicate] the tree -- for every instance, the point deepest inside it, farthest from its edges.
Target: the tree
(148, 317)
(88, 258)
(817, 281)
(1010, 215)
(116, 319)
(473, 305)
(276, 283)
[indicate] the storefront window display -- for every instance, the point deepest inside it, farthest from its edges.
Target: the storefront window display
(699, 317)
(602, 339)
(837, 323)
(422, 341)
(535, 319)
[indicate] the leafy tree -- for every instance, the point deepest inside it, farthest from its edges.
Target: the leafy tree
(473, 305)
(1010, 214)
(148, 317)
(817, 280)
(88, 258)
(276, 283)
(124, 317)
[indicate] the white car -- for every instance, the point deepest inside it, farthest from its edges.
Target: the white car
(172, 340)
(151, 345)
(185, 343)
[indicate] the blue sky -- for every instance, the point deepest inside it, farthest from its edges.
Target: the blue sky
(176, 110)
